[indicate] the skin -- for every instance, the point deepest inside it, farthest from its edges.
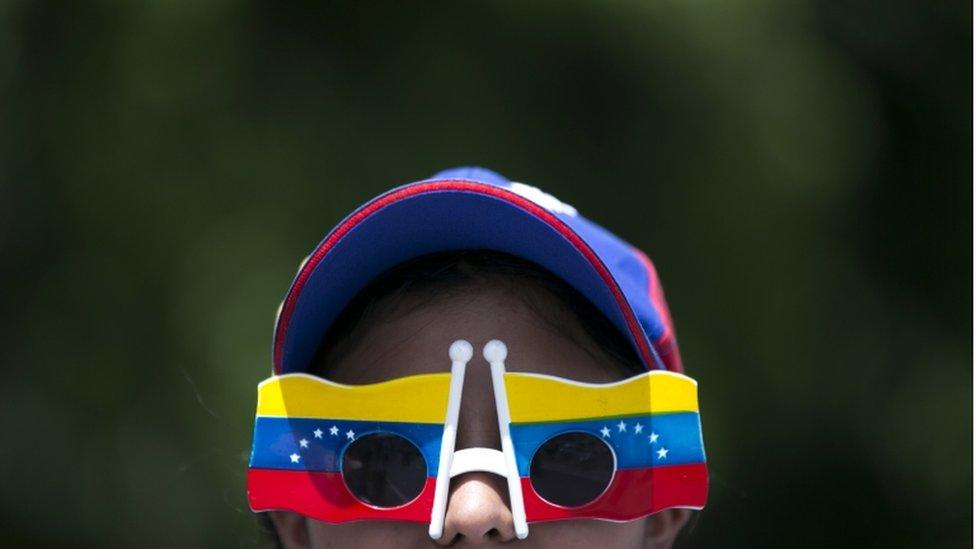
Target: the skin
(415, 340)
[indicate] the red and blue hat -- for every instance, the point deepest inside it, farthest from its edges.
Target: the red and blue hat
(474, 208)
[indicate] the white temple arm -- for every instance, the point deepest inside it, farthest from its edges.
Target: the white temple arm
(461, 352)
(495, 353)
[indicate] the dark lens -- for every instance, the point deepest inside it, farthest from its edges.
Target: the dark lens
(571, 469)
(384, 470)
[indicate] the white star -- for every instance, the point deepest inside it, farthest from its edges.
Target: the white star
(653, 438)
(662, 453)
(350, 434)
(638, 428)
(295, 458)
(317, 433)
(334, 431)
(622, 427)
(303, 443)
(605, 431)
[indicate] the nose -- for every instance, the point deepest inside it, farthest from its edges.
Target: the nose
(477, 511)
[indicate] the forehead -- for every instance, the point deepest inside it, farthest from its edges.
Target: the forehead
(414, 338)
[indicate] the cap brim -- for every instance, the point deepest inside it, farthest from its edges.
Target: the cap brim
(437, 216)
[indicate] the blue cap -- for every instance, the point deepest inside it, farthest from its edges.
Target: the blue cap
(474, 208)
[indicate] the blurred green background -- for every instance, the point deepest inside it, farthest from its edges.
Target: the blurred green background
(800, 173)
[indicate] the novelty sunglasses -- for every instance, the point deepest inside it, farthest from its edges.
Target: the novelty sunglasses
(386, 451)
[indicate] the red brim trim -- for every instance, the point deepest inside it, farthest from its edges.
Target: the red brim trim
(666, 345)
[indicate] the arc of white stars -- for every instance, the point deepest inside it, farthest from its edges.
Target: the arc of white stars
(334, 431)
(318, 433)
(303, 443)
(605, 431)
(622, 427)
(653, 438)
(295, 458)
(662, 453)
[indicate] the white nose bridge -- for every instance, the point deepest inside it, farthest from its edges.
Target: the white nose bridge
(472, 460)
(453, 463)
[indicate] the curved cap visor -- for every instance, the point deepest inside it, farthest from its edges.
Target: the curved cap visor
(455, 214)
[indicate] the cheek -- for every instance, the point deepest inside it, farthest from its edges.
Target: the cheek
(572, 534)
(369, 534)
(566, 534)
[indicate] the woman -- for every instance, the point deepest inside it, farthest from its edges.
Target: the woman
(471, 256)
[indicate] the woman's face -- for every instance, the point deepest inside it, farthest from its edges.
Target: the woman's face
(415, 341)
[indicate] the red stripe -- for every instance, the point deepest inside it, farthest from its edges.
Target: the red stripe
(634, 493)
(667, 347)
(324, 496)
(455, 185)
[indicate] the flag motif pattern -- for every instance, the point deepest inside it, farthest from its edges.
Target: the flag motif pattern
(304, 424)
(650, 422)
(301, 444)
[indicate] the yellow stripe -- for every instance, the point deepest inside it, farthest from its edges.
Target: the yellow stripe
(537, 398)
(414, 399)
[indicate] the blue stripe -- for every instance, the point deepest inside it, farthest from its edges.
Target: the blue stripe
(678, 434)
(276, 439)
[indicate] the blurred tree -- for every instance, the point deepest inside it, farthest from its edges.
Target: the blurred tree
(800, 172)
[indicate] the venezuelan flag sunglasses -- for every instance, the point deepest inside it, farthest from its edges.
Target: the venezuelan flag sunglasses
(386, 451)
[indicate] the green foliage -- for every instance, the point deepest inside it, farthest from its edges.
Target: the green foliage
(799, 172)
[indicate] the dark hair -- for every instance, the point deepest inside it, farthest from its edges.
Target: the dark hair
(447, 274)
